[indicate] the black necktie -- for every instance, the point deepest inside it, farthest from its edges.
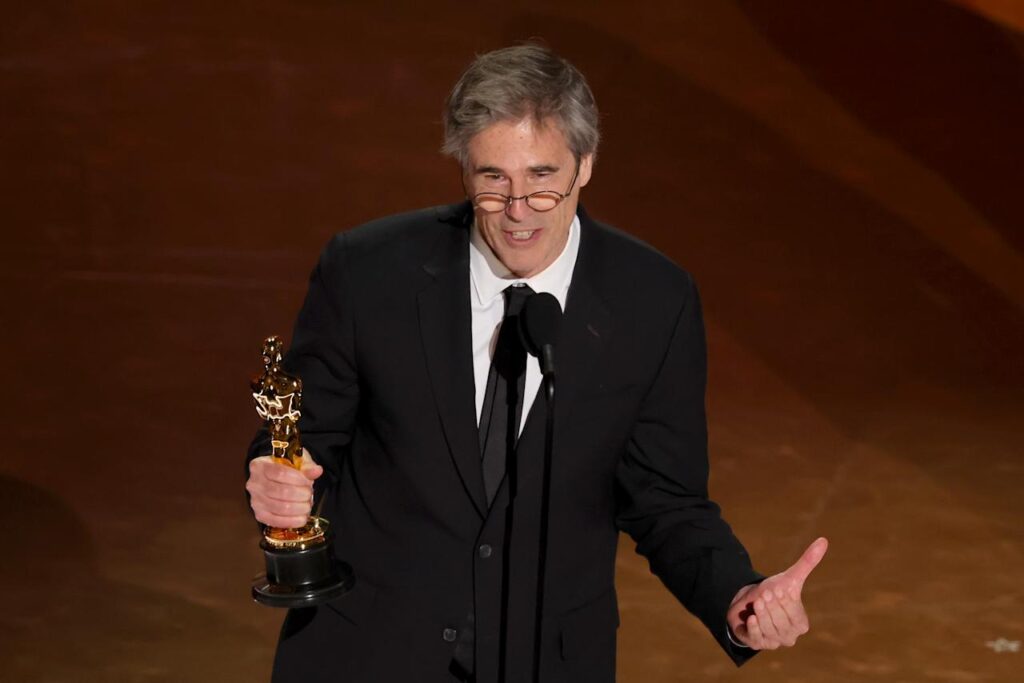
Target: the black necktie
(503, 399)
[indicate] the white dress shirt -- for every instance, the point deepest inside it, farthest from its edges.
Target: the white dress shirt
(488, 278)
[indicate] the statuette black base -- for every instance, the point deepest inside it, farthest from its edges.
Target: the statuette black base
(301, 578)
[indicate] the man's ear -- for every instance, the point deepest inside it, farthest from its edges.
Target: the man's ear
(586, 166)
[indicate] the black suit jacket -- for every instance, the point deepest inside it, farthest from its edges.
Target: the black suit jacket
(383, 346)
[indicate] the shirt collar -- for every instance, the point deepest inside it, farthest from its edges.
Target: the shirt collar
(490, 276)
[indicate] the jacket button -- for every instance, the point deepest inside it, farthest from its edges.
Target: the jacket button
(484, 551)
(449, 635)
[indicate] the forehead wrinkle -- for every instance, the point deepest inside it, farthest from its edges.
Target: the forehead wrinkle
(518, 148)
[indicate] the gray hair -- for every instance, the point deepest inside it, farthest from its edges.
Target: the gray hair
(513, 83)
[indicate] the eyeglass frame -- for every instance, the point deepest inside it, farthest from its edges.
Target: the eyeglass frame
(526, 197)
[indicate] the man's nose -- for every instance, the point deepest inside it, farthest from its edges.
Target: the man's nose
(517, 208)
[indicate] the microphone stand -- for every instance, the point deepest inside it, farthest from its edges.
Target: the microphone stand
(539, 327)
(545, 507)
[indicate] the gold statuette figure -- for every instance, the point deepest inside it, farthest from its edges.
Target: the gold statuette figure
(301, 567)
(278, 398)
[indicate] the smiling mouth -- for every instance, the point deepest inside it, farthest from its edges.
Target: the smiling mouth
(521, 235)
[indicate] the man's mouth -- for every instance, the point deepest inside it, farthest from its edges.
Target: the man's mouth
(521, 235)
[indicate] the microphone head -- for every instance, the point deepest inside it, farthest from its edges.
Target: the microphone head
(539, 321)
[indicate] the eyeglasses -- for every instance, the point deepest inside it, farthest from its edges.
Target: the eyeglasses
(545, 200)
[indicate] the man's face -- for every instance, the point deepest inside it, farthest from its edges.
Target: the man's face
(517, 158)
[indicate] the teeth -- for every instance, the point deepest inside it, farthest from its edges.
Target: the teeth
(523, 234)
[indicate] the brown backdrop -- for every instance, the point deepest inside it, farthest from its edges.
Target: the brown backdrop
(843, 179)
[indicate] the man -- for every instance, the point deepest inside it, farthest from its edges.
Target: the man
(399, 345)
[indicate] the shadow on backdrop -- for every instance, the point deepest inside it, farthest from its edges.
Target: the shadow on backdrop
(844, 299)
(940, 81)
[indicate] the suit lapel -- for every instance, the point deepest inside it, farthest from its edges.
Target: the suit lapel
(446, 332)
(583, 337)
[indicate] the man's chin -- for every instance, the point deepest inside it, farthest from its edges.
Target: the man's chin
(522, 267)
(516, 261)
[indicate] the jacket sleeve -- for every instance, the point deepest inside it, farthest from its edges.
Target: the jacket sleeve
(322, 355)
(662, 486)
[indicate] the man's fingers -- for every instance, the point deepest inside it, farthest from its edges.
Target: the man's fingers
(780, 618)
(282, 509)
(264, 470)
(289, 493)
(794, 608)
(264, 505)
(769, 631)
(310, 470)
(262, 486)
(280, 495)
(755, 638)
(283, 474)
(789, 617)
(808, 561)
(280, 521)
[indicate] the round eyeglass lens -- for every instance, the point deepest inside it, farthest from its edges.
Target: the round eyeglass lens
(491, 203)
(543, 201)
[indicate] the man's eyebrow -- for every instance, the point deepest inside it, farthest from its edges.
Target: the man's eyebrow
(542, 168)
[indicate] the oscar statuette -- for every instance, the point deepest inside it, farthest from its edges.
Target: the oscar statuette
(302, 569)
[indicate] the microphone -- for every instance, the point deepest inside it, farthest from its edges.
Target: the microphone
(538, 325)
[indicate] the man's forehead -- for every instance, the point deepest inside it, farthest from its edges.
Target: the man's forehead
(526, 144)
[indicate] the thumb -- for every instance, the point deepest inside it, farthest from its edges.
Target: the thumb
(309, 468)
(808, 561)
